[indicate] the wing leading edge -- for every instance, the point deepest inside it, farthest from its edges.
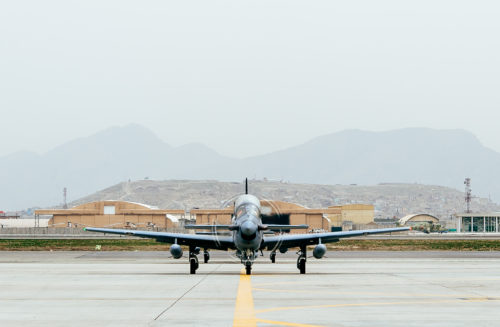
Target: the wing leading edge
(204, 241)
(294, 240)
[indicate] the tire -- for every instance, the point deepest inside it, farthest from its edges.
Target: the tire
(273, 258)
(206, 257)
(248, 269)
(302, 266)
(193, 265)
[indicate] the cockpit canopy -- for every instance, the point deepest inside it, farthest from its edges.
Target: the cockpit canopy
(247, 198)
(247, 204)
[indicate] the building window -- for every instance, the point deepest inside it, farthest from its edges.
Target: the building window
(478, 224)
(466, 225)
(490, 224)
(109, 210)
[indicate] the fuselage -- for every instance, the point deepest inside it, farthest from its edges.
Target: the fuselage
(247, 219)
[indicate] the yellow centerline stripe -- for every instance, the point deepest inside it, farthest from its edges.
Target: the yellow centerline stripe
(372, 304)
(284, 323)
(244, 313)
(271, 290)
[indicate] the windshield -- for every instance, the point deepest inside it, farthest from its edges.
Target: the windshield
(247, 209)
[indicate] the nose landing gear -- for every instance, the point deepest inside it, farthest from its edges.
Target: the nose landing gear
(247, 258)
(206, 256)
(248, 268)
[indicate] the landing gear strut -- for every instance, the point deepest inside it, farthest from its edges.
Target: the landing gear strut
(193, 260)
(273, 257)
(206, 256)
(301, 261)
(248, 268)
(247, 258)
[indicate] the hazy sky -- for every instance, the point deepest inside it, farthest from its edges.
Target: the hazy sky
(246, 77)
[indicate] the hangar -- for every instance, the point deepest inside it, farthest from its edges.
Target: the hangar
(280, 212)
(352, 215)
(418, 219)
(123, 214)
(273, 212)
(113, 214)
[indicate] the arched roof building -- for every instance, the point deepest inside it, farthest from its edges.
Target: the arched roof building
(418, 219)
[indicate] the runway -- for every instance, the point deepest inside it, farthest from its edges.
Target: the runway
(345, 289)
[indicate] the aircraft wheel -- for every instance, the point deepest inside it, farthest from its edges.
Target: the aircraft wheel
(193, 265)
(248, 269)
(273, 257)
(301, 264)
(206, 257)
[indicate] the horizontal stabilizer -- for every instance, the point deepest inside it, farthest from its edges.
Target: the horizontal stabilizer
(282, 227)
(213, 233)
(226, 227)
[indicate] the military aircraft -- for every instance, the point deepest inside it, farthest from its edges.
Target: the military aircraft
(249, 236)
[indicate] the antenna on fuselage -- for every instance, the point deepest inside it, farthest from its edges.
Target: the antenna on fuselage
(246, 185)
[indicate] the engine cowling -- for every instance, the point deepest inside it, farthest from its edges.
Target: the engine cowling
(176, 251)
(319, 251)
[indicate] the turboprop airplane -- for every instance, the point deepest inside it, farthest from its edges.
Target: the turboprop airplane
(248, 237)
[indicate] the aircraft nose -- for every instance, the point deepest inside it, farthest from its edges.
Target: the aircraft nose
(248, 228)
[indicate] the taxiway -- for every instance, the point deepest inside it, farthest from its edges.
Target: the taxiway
(345, 289)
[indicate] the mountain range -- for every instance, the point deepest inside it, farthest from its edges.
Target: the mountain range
(132, 152)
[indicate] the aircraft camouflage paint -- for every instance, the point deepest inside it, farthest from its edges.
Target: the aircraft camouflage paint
(247, 237)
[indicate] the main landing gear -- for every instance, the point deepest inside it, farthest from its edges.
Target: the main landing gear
(193, 259)
(272, 256)
(301, 261)
(206, 256)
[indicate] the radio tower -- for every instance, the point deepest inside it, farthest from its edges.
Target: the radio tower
(65, 193)
(468, 194)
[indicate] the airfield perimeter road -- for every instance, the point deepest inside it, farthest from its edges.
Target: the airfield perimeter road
(346, 289)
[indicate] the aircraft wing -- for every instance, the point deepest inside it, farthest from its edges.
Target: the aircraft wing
(294, 240)
(203, 241)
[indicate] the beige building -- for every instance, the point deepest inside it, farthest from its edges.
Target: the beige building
(112, 214)
(122, 214)
(354, 214)
(279, 212)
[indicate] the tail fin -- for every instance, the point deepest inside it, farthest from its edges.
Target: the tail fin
(246, 185)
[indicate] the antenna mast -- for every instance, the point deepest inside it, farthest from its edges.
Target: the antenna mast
(246, 185)
(468, 194)
(65, 202)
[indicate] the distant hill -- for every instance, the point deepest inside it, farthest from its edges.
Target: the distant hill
(87, 164)
(389, 199)
(418, 155)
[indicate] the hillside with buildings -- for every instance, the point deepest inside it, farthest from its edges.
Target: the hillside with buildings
(390, 200)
